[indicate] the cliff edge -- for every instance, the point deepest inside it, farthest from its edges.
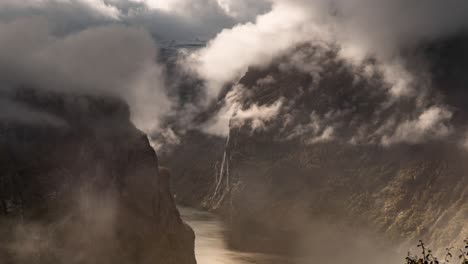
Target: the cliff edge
(80, 184)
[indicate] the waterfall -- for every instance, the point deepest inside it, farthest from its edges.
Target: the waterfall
(222, 176)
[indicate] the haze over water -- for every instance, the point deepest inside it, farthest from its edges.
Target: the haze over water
(210, 245)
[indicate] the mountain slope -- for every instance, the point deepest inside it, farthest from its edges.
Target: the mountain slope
(80, 184)
(343, 160)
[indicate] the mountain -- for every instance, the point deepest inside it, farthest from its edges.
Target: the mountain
(80, 184)
(323, 160)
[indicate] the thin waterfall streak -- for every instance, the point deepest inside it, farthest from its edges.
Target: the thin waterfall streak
(227, 173)
(220, 178)
(224, 168)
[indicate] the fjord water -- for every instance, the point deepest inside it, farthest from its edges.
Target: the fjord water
(210, 245)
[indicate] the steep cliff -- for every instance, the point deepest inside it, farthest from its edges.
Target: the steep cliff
(80, 184)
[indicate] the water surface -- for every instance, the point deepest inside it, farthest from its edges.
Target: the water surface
(210, 245)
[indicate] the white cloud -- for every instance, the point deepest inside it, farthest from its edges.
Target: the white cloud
(228, 56)
(244, 9)
(166, 138)
(257, 115)
(431, 124)
(362, 28)
(165, 5)
(327, 135)
(241, 10)
(112, 60)
(232, 114)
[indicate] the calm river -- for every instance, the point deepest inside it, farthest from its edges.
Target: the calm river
(210, 246)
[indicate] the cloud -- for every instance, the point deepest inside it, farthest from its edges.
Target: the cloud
(93, 7)
(384, 27)
(61, 38)
(180, 20)
(431, 124)
(361, 28)
(258, 116)
(241, 10)
(316, 130)
(165, 139)
(107, 46)
(113, 60)
(244, 10)
(64, 16)
(229, 55)
(12, 111)
(327, 135)
(383, 31)
(329, 98)
(184, 20)
(96, 9)
(234, 114)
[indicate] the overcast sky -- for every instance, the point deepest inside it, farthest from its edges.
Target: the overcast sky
(165, 19)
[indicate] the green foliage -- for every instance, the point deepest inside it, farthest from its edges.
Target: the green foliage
(427, 257)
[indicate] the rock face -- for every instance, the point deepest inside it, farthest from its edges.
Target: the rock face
(80, 184)
(329, 171)
(193, 181)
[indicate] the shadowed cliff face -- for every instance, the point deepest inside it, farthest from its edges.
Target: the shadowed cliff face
(80, 184)
(344, 168)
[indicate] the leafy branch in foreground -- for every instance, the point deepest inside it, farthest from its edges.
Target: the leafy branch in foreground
(428, 258)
